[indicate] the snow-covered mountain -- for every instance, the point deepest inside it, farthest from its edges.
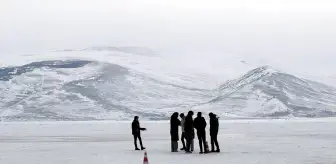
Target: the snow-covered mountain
(85, 90)
(265, 92)
(118, 83)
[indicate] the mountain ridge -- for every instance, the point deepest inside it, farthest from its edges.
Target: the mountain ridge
(277, 87)
(92, 90)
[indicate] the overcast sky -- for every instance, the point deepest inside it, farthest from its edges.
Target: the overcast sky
(297, 33)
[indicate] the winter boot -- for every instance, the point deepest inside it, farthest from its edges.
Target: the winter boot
(206, 147)
(174, 146)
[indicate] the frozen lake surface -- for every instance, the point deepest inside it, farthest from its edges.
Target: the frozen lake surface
(303, 141)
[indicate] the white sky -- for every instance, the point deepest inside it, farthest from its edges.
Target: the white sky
(296, 35)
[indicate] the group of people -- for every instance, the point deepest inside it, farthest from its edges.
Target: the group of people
(188, 124)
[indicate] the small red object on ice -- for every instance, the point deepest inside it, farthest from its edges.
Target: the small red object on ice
(145, 160)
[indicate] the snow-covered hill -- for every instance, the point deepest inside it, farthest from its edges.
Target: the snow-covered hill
(85, 90)
(265, 92)
(118, 83)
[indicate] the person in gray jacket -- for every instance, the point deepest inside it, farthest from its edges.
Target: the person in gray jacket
(182, 129)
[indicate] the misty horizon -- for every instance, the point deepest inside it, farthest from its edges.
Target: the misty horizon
(289, 35)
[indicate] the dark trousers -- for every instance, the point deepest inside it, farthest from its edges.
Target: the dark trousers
(214, 141)
(189, 138)
(174, 146)
(135, 140)
(182, 140)
(201, 140)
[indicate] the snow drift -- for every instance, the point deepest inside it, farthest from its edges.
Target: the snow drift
(77, 89)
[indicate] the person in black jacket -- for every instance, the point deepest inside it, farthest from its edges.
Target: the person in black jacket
(214, 125)
(189, 130)
(200, 125)
(136, 133)
(174, 132)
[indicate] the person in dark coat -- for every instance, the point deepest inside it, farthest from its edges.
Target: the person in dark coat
(214, 125)
(174, 132)
(136, 133)
(200, 125)
(189, 130)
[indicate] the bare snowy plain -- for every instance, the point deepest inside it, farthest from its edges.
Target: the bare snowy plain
(295, 141)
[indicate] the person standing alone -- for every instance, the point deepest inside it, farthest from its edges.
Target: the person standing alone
(182, 129)
(136, 133)
(214, 125)
(200, 125)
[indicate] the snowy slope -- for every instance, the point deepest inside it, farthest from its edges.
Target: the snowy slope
(85, 90)
(118, 82)
(265, 92)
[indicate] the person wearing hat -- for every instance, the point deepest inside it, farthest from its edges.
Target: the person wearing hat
(200, 125)
(214, 125)
(136, 133)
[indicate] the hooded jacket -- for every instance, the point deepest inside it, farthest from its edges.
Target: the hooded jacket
(174, 126)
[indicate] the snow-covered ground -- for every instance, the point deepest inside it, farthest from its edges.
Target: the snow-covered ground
(299, 141)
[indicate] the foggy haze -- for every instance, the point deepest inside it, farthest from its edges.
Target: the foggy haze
(293, 35)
